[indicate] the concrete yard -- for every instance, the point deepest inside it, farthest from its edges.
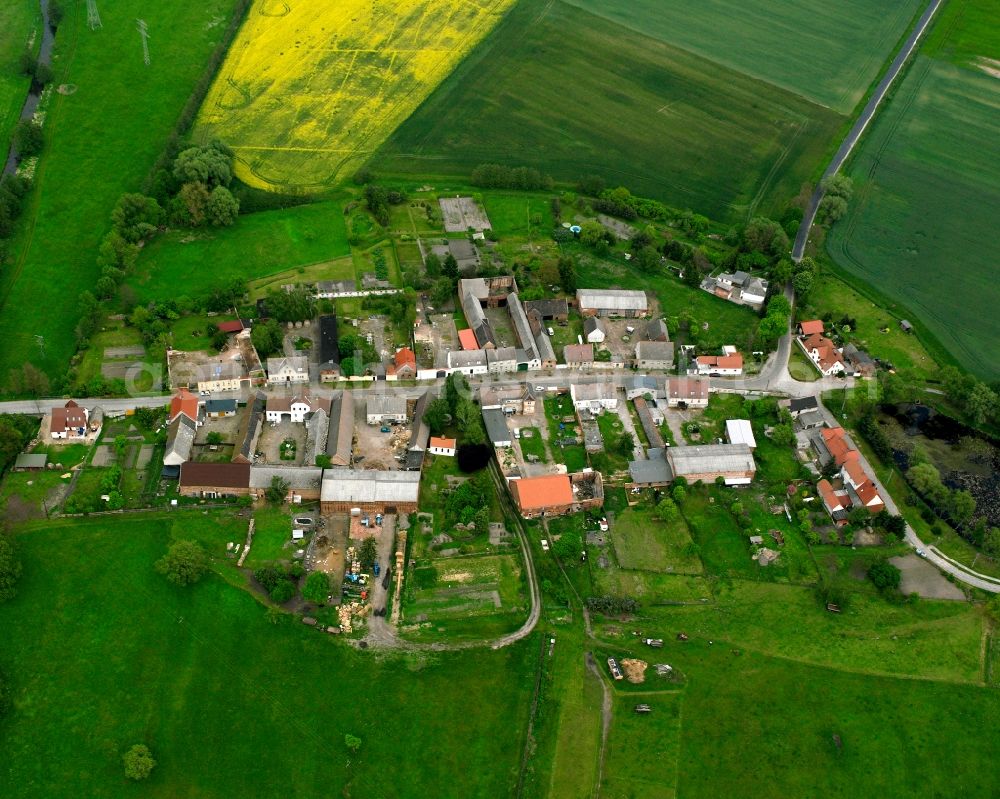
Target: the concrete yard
(920, 577)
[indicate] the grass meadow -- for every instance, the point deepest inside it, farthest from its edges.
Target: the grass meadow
(259, 245)
(100, 141)
(926, 190)
(21, 23)
(307, 92)
(754, 725)
(110, 654)
(827, 53)
(570, 93)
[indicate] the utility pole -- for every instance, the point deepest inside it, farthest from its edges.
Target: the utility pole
(93, 17)
(140, 25)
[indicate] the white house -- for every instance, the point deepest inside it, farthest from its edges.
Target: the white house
(296, 408)
(501, 360)
(691, 391)
(468, 362)
(70, 421)
(443, 446)
(594, 330)
(594, 397)
(221, 376)
(292, 369)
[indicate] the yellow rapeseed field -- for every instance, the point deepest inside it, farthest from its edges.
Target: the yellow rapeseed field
(311, 87)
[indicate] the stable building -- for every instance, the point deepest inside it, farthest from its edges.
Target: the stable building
(355, 491)
(302, 482)
(214, 480)
(557, 494)
(612, 302)
(732, 462)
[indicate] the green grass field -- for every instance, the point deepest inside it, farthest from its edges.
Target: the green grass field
(21, 22)
(645, 543)
(228, 702)
(925, 194)
(100, 141)
(761, 726)
(827, 53)
(571, 93)
(257, 246)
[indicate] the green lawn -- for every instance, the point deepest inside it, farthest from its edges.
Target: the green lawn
(257, 246)
(518, 214)
(643, 750)
(21, 22)
(931, 639)
(801, 368)
(101, 140)
(659, 119)
(761, 726)
(924, 193)
(533, 443)
(203, 678)
(642, 542)
(833, 56)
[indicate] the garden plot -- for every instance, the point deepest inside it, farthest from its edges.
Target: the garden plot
(462, 214)
(449, 587)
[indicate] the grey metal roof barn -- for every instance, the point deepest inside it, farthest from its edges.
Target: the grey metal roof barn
(180, 440)
(297, 477)
(655, 471)
(356, 486)
(340, 435)
(611, 299)
(496, 427)
(712, 458)
(385, 405)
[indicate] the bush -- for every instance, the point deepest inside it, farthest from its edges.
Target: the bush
(283, 591)
(139, 762)
(10, 569)
(317, 587)
(884, 576)
(184, 563)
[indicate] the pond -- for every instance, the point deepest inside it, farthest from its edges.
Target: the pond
(966, 458)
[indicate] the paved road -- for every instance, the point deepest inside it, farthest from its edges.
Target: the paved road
(31, 103)
(847, 146)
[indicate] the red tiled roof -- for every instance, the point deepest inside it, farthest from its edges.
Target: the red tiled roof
(443, 443)
(839, 449)
(215, 475)
(69, 416)
(184, 402)
(811, 326)
(230, 327)
(467, 338)
(855, 472)
(830, 498)
(722, 361)
(535, 493)
(404, 357)
(869, 496)
(687, 387)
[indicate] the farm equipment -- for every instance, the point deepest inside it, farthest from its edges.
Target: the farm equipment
(615, 671)
(656, 643)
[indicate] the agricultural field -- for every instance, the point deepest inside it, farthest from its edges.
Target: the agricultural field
(101, 140)
(81, 691)
(309, 91)
(21, 22)
(827, 53)
(925, 193)
(553, 87)
(259, 245)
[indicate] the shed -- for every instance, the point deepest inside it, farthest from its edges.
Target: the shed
(30, 462)
(905, 326)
